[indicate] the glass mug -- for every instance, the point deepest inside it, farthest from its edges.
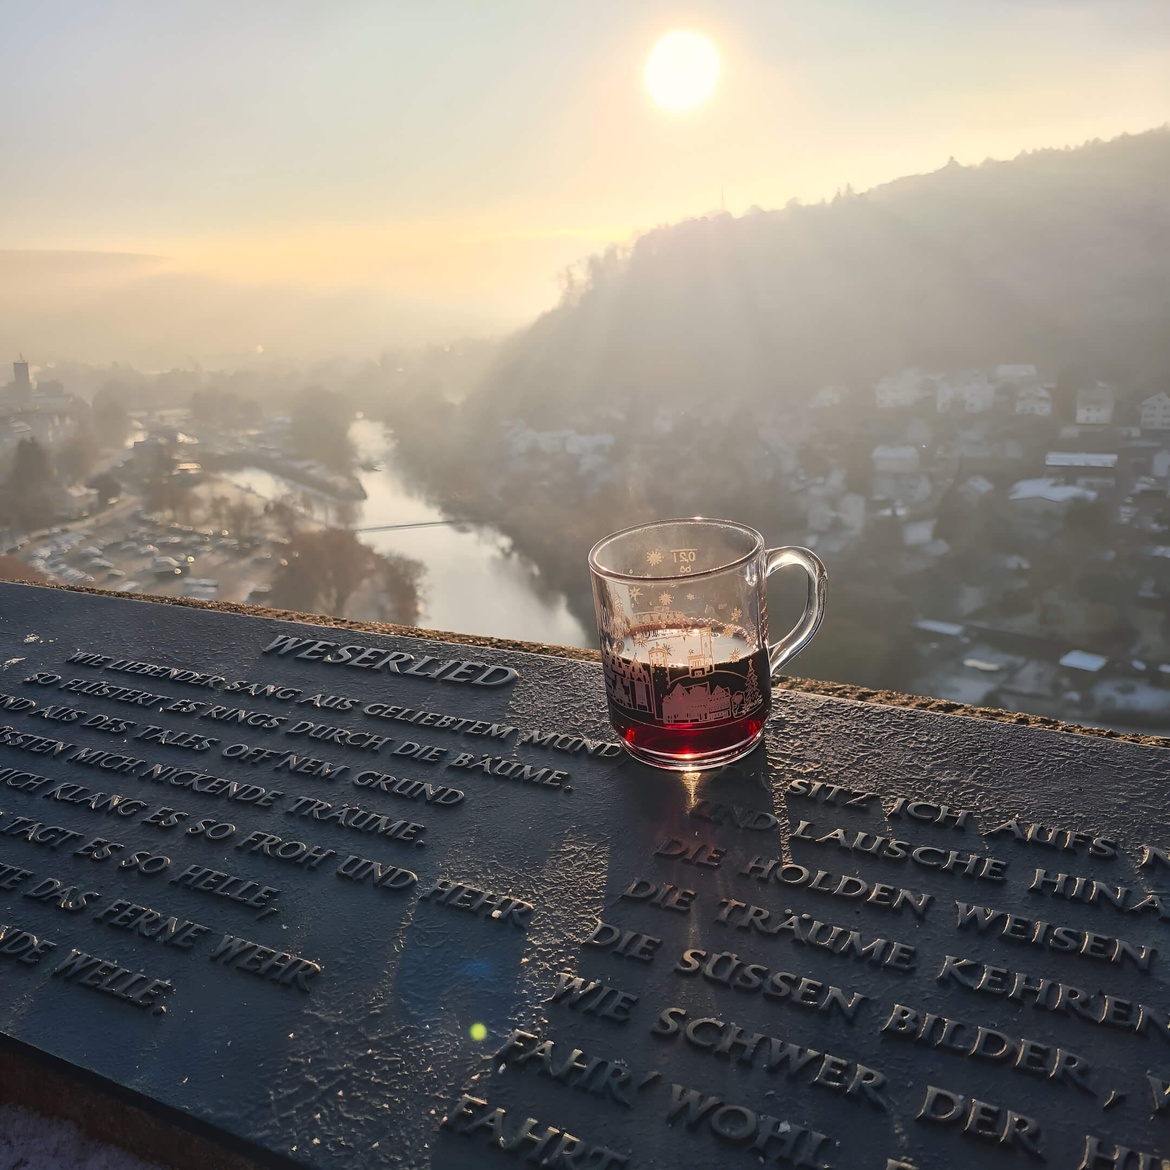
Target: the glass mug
(682, 614)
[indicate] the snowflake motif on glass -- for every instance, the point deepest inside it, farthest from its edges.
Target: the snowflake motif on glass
(641, 638)
(690, 597)
(654, 557)
(664, 599)
(733, 654)
(736, 614)
(722, 605)
(635, 592)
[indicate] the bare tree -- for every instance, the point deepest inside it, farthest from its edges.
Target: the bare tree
(111, 419)
(284, 516)
(217, 512)
(400, 593)
(77, 456)
(324, 571)
(241, 519)
(27, 492)
(345, 514)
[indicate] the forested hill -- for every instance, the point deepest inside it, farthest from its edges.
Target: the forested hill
(1058, 257)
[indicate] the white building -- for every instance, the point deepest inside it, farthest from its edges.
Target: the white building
(1080, 459)
(1081, 660)
(975, 488)
(819, 511)
(1016, 375)
(905, 388)
(25, 395)
(1156, 412)
(1049, 491)
(978, 395)
(1095, 405)
(1038, 508)
(946, 629)
(917, 533)
(592, 452)
(827, 397)
(76, 501)
(972, 393)
(851, 512)
(895, 459)
(1035, 401)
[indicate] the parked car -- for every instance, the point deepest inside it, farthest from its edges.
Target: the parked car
(166, 567)
(204, 588)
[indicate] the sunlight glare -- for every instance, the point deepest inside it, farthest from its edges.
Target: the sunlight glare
(682, 70)
(690, 782)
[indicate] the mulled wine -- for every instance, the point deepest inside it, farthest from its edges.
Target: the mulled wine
(692, 692)
(682, 615)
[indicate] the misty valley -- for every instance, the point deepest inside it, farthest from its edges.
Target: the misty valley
(988, 484)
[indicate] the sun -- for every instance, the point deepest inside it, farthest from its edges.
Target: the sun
(682, 70)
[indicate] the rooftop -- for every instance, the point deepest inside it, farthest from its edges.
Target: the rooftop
(1049, 489)
(1082, 660)
(1079, 459)
(949, 629)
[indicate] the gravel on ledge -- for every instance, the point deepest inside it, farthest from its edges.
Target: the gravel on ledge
(31, 1142)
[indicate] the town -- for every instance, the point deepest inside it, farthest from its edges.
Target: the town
(114, 494)
(1037, 517)
(997, 536)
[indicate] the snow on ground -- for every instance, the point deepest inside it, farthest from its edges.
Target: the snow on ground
(29, 1142)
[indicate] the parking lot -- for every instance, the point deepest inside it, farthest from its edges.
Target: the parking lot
(133, 553)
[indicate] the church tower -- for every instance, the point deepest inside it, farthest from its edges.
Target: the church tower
(21, 383)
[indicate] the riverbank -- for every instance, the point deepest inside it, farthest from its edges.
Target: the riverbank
(475, 582)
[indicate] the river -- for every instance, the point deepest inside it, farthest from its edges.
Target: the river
(472, 584)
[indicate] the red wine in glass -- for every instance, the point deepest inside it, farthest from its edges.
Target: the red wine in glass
(686, 692)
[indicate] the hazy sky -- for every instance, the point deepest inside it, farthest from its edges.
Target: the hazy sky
(316, 176)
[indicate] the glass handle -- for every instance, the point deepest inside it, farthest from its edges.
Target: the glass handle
(797, 638)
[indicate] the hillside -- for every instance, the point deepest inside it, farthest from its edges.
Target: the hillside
(1058, 257)
(676, 378)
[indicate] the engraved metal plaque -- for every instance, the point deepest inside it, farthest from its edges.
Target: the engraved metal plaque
(355, 900)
